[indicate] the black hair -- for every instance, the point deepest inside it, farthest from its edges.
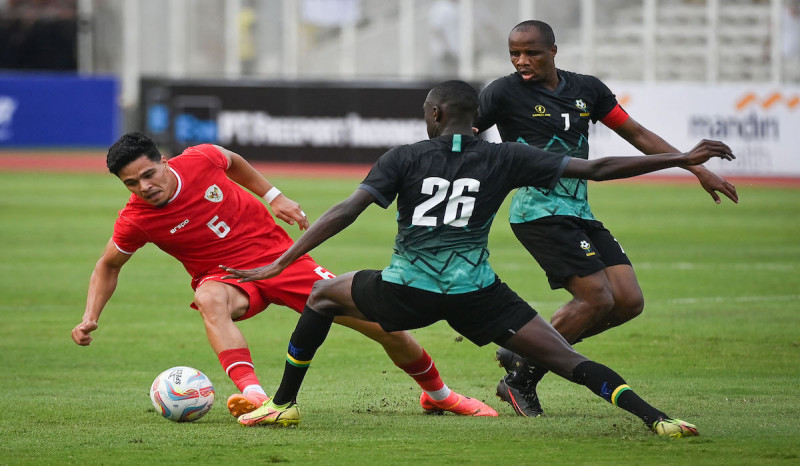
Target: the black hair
(128, 148)
(544, 29)
(457, 96)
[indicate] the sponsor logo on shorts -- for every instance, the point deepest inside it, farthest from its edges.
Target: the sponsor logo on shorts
(213, 193)
(179, 226)
(587, 248)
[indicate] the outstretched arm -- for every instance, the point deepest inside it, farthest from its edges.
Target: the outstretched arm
(101, 288)
(334, 220)
(649, 142)
(610, 168)
(240, 171)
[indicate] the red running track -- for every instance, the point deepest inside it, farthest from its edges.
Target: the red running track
(94, 162)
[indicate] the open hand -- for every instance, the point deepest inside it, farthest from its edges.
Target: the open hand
(714, 183)
(249, 275)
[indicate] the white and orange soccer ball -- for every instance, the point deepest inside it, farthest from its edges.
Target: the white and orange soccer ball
(182, 394)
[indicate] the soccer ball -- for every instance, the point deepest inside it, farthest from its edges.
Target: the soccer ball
(182, 394)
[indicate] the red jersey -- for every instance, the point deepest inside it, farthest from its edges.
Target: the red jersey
(210, 220)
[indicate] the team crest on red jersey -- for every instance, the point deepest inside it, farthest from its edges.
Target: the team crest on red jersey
(213, 193)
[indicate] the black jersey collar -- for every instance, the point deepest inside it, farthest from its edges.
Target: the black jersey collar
(456, 144)
(562, 83)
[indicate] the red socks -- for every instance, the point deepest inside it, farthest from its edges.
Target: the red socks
(424, 372)
(238, 364)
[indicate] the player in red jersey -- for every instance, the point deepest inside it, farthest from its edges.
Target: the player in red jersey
(194, 209)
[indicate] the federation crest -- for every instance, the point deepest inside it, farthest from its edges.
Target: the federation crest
(580, 104)
(213, 193)
(587, 248)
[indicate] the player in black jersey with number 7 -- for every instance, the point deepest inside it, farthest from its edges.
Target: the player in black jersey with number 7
(448, 191)
(551, 109)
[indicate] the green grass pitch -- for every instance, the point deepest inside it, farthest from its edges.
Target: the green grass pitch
(717, 345)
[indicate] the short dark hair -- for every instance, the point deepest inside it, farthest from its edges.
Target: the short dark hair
(457, 95)
(544, 29)
(128, 148)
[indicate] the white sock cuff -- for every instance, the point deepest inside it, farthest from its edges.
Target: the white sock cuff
(440, 394)
(253, 388)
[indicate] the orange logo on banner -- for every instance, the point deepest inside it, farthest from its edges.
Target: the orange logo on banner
(750, 99)
(624, 100)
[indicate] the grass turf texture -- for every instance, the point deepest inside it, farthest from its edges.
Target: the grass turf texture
(717, 345)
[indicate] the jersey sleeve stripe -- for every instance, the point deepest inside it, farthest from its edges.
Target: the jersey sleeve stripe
(122, 250)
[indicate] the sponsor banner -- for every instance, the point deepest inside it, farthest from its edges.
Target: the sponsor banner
(760, 122)
(281, 121)
(58, 111)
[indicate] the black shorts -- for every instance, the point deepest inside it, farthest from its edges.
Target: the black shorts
(569, 246)
(492, 314)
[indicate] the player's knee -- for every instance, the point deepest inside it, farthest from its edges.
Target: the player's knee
(317, 294)
(629, 307)
(321, 298)
(211, 305)
(600, 301)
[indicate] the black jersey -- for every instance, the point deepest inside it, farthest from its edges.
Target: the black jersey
(448, 191)
(555, 121)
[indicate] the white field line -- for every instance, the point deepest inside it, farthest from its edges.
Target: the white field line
(745, 266)
(543, 305)
(735, 299)
(742, 266)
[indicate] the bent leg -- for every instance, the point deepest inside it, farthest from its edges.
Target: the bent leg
(627, 297)
(592, 300)
(219, 304)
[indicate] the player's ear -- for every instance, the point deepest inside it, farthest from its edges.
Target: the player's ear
(438, 114)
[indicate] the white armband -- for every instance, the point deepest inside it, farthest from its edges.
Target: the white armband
(272, 194)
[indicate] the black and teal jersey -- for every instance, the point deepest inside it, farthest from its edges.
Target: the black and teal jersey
(448, 191)
(556, 121)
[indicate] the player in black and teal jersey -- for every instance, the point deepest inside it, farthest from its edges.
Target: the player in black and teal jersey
(448, 191)
(551, 109)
